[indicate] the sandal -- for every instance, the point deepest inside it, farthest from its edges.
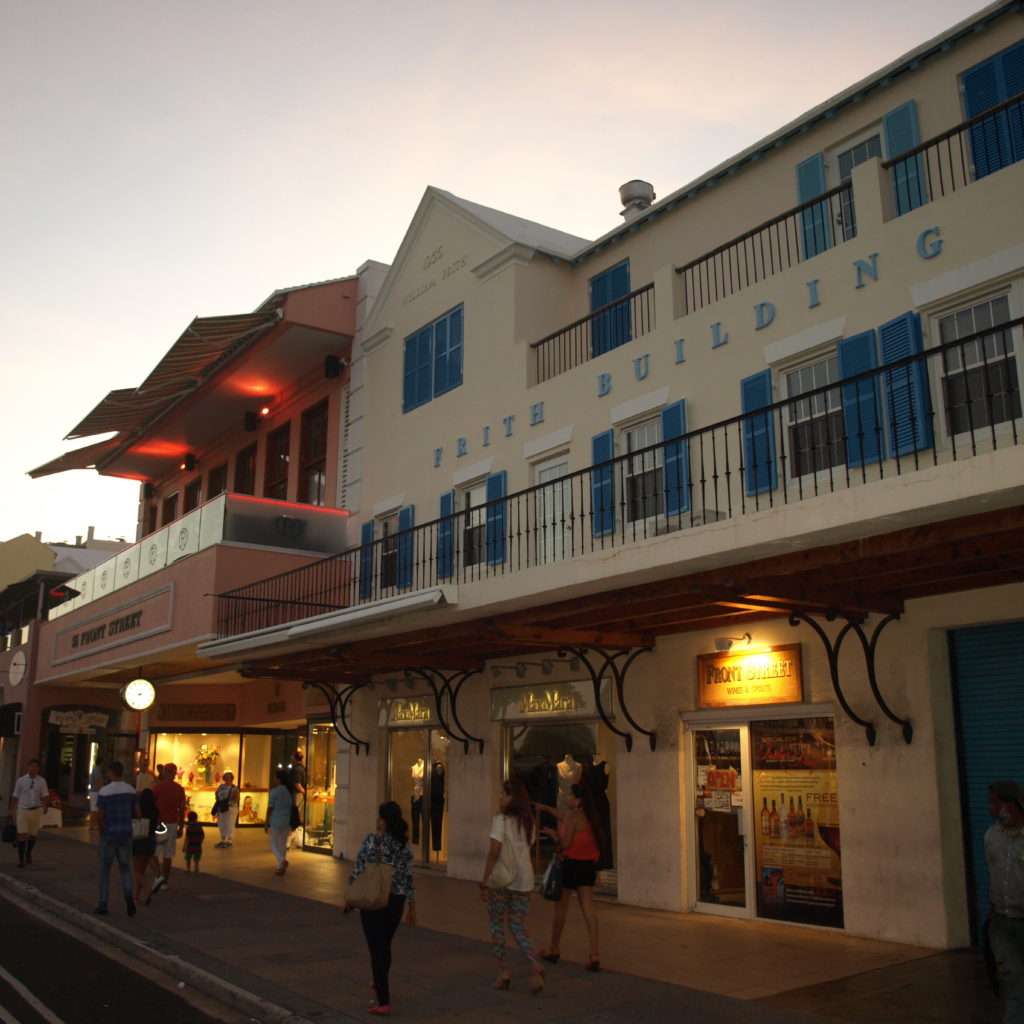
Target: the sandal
(552, 958)
(594, 963)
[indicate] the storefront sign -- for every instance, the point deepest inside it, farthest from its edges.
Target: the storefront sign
(82, 722)
(407, 711)
(772, 676)
(82, 637)
(546, 700)
(195, 712)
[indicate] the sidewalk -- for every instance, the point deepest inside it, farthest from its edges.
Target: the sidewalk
(279, 949)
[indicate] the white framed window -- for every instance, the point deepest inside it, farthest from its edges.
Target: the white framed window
(388, 527)
(552, 509)
(865, 148)
(473, 523)
(815, 423)
(980, 376)
(645, 489)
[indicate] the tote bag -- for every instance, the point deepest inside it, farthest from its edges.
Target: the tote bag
(140, 828)
(371, 888)
(503, 874)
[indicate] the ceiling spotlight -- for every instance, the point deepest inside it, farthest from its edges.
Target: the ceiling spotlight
(725, 643)
(188, 463)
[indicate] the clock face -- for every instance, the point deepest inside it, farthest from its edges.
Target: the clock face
(16, 668)
(138, 694)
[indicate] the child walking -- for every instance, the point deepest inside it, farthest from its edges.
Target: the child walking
(194, 837)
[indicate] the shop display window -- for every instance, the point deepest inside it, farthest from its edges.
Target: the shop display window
(201, 760)
(321, 784)
(419, 766)
(254, 782)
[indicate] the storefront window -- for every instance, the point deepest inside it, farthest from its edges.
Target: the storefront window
(321, 785)
(796, 811)
(201, 759)
(255, 780)
(419, 768)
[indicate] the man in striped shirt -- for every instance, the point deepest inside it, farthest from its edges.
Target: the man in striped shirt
(115, 808)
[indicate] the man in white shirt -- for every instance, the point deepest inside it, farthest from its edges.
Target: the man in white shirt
(29, 801)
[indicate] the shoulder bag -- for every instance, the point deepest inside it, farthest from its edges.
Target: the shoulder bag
(10, 832)
(371, 888)
(551, 883)
(140, 828)
(503, 874)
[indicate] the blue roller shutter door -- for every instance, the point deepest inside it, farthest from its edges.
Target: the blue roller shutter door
(760, 473)
(602, 484)
(996, 141)
(861, 413)
(677, 459)
(613, 327)
(446, 537)
(901, 134)
(366, 561)
(989, 688)
(907, 399)
(814, 221)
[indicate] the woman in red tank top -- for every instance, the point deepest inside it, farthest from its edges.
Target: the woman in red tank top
(579, 838)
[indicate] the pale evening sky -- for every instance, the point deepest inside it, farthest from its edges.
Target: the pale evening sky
(163, 161)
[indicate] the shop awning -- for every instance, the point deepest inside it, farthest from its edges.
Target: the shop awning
(80, 458)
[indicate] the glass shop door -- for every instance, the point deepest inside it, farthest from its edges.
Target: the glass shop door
(721, 849)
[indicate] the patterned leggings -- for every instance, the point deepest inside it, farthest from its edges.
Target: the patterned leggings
(504, 904)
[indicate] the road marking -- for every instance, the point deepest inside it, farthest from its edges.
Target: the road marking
(29, 998)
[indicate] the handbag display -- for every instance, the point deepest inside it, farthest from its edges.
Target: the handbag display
(371, 888)
(140, 828)
(503, 874)
(551, 883)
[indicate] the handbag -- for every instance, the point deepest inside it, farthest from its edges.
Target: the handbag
(551, 883)
(371, 888)
(10, 832)
(140, 828)
(503, 874)
(296, 819)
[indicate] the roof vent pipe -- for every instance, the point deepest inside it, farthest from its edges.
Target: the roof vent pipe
(635, 196)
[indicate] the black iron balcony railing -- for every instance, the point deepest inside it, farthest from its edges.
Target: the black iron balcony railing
(770, 249)
(959, 157)
(940, 406)
(606, 328)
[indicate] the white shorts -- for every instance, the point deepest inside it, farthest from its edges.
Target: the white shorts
(29, 820)
(167, 842)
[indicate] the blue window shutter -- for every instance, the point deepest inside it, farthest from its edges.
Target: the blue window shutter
(758, 434)
(455, 330)
(615, 326)
(495, 535)
(366, 561)
(677, 459)
(810, 182)
(861, 412)
(406, 515)
(996, 141)
(417, 369)
(901, 134)
(907, 398)
(440, 357)
(446, 537)
(602, 484)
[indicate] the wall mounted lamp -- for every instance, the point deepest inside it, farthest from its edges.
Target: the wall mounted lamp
(188, 463)
(251, 419)
(725, 643)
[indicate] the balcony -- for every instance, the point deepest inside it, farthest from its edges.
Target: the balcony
(942, 407)
(236, 519)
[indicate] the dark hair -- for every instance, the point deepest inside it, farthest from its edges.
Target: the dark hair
(116, 769)
(519, 806)
(394, 824)
(147, 805)
(589, 810)
(285, 778)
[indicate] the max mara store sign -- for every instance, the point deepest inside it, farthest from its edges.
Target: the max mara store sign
(83, 637)
(771, 676)
(547, 700)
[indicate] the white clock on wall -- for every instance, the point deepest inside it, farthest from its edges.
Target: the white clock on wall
(16, 668)
(138, 695)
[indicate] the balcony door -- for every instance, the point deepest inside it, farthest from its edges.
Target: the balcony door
(553, 510)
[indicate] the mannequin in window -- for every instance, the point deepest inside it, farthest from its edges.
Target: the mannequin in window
(595, 777)
(416, 801)
(436, 804)
(569, 771)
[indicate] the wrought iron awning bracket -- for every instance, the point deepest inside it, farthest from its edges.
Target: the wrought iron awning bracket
(870, 648)
(338, 700)
(454, 727)
(610, 662)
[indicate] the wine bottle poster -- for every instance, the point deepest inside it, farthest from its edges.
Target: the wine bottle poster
(796, 821)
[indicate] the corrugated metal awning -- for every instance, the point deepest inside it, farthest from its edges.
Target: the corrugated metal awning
(80, 458)
(189, 361)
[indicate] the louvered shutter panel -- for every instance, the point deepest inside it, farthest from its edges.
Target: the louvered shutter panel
(901, 134)
(446, 537)
(366, 561)
(441, 354)
(810, 182)
(613, 327)
(495, 529)
(602, 484)
(760, 472)
(677, 459)
(907, 398)
(406, 516)
(861, 412)
(455, 331)
(417, 369)
(998, 140)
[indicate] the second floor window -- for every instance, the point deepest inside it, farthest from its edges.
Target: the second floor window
(245, 470)
(276, 478)
(816, 430)
(192, 496)
(474, 525)
(313, 456)
(645, 491)
(169, 509)
(388, 552)
(433, 360)
(217, 481)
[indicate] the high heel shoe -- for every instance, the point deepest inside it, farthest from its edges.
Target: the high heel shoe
(594, 963)
(504, 979)
(537, 980)
(380, 1011)
(552, 958)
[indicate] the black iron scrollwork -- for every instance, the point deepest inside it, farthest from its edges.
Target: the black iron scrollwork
(339, 699)
(451, 686)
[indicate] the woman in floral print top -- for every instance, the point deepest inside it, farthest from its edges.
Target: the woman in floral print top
(379, 926)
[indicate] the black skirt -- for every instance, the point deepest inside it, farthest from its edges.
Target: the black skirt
(577, 873)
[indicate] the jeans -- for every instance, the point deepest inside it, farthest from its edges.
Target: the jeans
(119, 849)
(379, 927)
(1006, 937)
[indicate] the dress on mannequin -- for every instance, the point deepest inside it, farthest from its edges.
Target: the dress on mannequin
(596, 775)
(569, 772)
(436, 804)
(416, 801)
